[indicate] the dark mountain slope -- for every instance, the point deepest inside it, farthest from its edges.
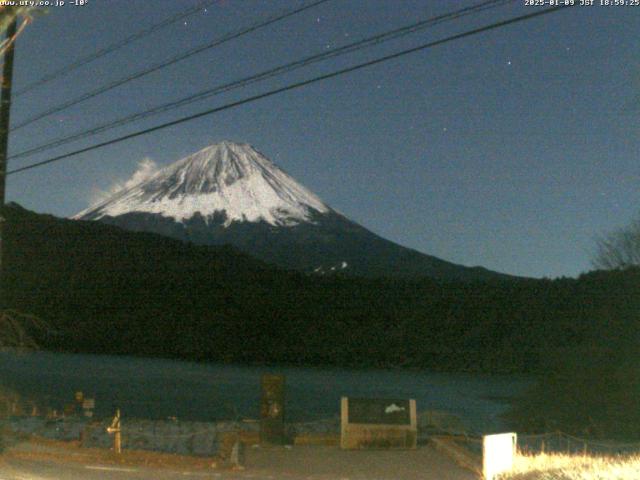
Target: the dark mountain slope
(107, 290)
(231, 194)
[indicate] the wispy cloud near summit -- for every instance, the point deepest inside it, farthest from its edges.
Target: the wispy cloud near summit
(147, 167)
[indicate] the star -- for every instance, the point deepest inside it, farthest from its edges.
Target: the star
(508, 62)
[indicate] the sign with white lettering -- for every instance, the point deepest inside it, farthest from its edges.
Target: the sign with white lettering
(378, 423)
(379, 411)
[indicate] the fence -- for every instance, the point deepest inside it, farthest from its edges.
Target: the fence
(560, 442)
(554, 442)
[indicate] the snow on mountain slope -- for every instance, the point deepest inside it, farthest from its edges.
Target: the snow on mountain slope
(225, 177)
(230, 194)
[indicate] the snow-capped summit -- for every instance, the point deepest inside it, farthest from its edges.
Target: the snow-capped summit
(230, 194)
(225, 178)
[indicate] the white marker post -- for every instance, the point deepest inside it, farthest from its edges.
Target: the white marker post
(498, 452)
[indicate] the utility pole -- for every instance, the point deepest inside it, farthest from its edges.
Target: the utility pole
(5, 108)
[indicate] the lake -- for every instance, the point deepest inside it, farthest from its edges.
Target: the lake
(160, 388)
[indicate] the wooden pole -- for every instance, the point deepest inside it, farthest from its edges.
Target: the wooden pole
(117, 438)
(117, 442)
(5, 108)
(116, 429)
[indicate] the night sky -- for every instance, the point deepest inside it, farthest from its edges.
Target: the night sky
(512, 149)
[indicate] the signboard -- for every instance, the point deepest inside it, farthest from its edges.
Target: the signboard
(272, 410)
(498, 452)
(390, 412)
(378, 423)
(88, 405)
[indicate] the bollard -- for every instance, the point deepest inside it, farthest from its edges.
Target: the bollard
(237, 455)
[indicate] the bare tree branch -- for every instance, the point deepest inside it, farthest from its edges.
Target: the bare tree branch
(17, 329)
(620, 249)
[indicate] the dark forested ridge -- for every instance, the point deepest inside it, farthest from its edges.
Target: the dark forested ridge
(106, 290)
(327, 243)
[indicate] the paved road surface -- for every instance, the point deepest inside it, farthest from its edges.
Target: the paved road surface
(34, 470)
(298, 463)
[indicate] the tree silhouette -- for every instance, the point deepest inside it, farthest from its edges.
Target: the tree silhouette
(619, 249)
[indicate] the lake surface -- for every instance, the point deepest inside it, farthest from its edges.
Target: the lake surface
(158, 388)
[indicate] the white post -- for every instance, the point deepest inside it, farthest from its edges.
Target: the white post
(498, 452)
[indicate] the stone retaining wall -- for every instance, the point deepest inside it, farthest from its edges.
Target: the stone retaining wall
(172, 436)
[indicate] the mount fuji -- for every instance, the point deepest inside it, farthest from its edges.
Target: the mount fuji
(229, 193)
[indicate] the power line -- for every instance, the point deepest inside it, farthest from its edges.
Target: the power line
(113, 47)
(282, 69)
(171, 61)
(294, 86)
